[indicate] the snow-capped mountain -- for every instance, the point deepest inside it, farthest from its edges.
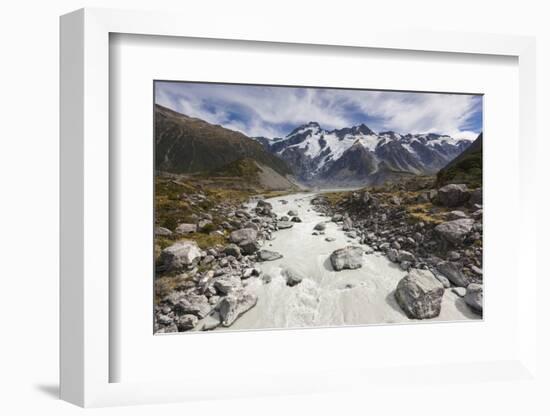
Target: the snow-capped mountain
(359, 155)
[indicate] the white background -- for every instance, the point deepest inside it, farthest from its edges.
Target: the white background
(29, 172)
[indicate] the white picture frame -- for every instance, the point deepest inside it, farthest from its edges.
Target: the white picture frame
(85, 165)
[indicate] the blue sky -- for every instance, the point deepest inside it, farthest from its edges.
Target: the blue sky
(275, 111)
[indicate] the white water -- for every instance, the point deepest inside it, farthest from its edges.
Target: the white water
(325, 297)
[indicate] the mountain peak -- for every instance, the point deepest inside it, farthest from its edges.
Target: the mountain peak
(359, 129)
(312, 125)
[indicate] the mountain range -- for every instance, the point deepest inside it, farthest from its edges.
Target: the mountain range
(354, 156)
(358, 155)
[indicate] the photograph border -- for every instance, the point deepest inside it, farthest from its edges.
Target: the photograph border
(84, 182)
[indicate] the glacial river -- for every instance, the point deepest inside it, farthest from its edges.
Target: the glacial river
(326, 297)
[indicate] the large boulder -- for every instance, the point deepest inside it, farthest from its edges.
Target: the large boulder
(263, 204)
(186, 229)
(267, 255)
(474, 297)
(455, 231)
(188, 303)
(292, 276)
(235, 304)
(232, 250)
(419, 294)
(181, 255)
(350, 257)
(244, 234)
(453, 272)
(227, 284)
(246, 239)
(320, 226)
(453, 195)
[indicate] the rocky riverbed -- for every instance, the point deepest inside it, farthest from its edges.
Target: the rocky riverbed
(307, 260)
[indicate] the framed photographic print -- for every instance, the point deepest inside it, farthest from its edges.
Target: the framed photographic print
(332, 202)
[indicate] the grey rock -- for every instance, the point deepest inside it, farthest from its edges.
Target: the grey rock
(453, 272)
(296, 219)
(292, 213)
(476, 270)
(164, 319)
(242, 235)
(233, 250)
(453, 195)
(211, 322)
(268, 255)
(330, 239)
(337, 218)
(474, 297)
(235, 304)
(189, 303)
(186, 322)
(455, 231)
(347, 224)
(249, 272)
(453, 255)
(283, 225)
(167, 329)
(419, 294)
(320, 226)
(456, 215)
(249, 247)
(444, 281)
(476, 197)
(403, 255)
(350, 257)
(163, 232)
(368, 249)
(186, 228)
(203, 224)
(292, 276)
(180, 255)
(396, 245)
(227, 284)
(392, 255)
(262, 204)
(405, 265)
(459, 291)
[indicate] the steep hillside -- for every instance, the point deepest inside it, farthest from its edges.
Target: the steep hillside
(188, 145)
(466, 167)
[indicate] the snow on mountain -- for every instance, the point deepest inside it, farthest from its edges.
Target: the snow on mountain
(316, 154)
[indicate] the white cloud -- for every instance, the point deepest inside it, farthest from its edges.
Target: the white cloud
(269, 111)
